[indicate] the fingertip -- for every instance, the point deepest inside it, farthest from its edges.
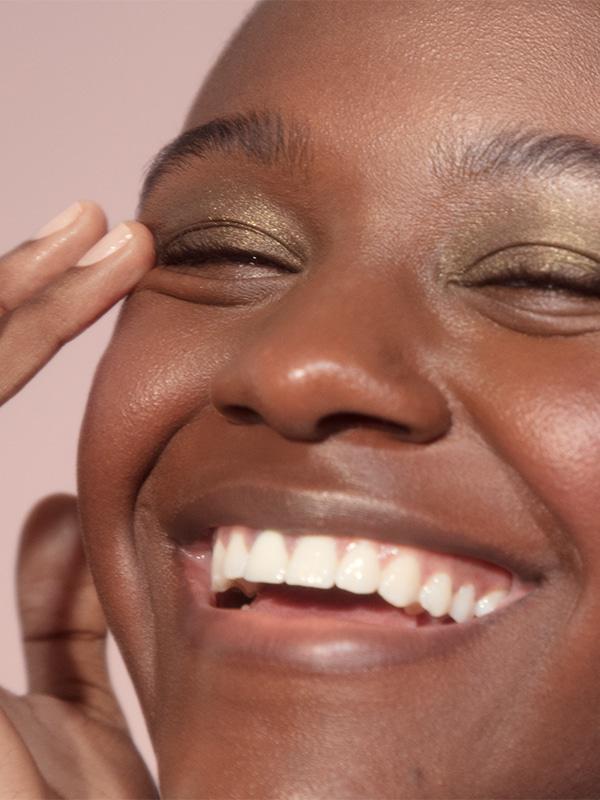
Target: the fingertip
(51, 509)
(92, 214)
(49, 530)
(144, 241)
(129, 242)
(139, 253)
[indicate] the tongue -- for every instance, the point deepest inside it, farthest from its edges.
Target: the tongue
(296, 601)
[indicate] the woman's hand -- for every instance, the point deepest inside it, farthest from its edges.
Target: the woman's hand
(46, 300)
(67, 736)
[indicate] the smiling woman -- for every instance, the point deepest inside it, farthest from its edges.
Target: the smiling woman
(338, 469)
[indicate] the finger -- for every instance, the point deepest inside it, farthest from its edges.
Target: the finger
(19, 776)
(32, 333)
(63, 625)
(57, 245)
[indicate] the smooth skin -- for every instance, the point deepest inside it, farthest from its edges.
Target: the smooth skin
(377, 368)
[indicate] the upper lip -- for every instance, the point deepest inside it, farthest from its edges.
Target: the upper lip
(339, 513)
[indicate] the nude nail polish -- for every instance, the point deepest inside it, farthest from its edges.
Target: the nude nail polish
(114, 240)
(59, 222)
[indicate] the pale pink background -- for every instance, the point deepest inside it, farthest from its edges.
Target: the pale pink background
(88, 92)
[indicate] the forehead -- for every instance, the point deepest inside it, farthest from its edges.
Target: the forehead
(393, 91)
(378, 77)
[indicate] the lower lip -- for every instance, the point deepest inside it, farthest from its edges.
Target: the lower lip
(321, 642)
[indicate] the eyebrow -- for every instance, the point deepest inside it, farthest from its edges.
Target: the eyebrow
(264, 136)
(269, 138)
(519, 153)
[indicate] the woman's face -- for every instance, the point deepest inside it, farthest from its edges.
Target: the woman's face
(401, 364)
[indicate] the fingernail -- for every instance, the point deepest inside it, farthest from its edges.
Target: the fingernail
(60, 221)
(109, 244)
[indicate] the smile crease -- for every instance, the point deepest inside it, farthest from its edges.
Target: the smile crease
(414, 580)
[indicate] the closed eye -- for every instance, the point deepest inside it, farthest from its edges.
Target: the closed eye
(521, 277)
(175, 255)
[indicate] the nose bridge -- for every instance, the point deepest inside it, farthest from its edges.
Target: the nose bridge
(325, 327)
(329, 356)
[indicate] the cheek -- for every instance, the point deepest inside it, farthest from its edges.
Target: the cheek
(540, 413)
(539, 408)
(153, 378)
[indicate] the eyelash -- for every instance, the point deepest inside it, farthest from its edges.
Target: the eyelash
(554, 282)
(520, 274)
(195, 257)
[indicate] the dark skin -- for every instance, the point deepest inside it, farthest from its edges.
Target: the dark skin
(394, 358)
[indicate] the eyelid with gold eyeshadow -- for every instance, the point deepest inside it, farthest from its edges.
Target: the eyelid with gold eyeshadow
(227, 241)
(583, 277)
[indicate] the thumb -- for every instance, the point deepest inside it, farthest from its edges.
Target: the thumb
(63, 625)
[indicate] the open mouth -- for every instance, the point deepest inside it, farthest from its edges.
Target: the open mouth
(302, 574)
(341, 582)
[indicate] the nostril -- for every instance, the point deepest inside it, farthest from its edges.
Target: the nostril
(334, 423)
(240, 415)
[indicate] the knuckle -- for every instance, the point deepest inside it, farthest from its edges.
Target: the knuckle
(65, 635)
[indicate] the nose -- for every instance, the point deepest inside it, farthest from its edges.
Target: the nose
(317, 366)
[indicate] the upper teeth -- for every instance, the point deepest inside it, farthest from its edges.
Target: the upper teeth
(244, 557)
